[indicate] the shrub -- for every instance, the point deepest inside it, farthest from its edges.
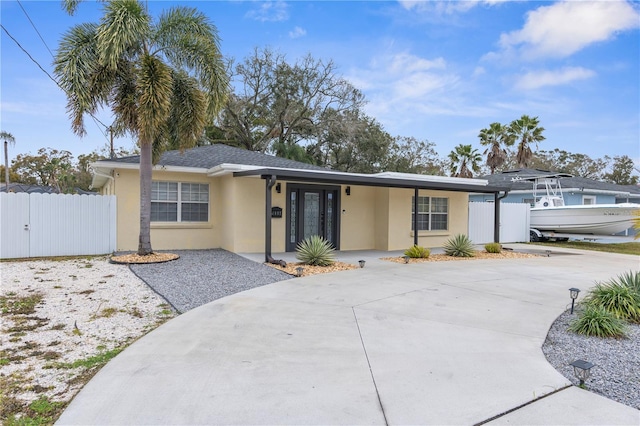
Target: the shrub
(316, 251)
(621, 300)
(459, 246)
(417, 252)
(597, 321)
(629, 279)
(493, 247)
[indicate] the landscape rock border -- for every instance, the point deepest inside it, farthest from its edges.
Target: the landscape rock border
(134, 258)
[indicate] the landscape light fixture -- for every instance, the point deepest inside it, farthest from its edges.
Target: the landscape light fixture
(299, 271)
(573, 292)
(548, 252)
(406, 259)
(361, 262)
(582, 370)
(347, 190)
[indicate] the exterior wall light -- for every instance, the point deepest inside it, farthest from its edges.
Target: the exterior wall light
(573, 292)
(278, 187)
(406, 259)
(299, 271)
(347, 190)
(361, 262)
(582, 370)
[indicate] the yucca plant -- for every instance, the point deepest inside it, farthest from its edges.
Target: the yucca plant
(315, 251)
(619, 299)
(597, 321)
(493, 247)
(417, 252)
(459, 246)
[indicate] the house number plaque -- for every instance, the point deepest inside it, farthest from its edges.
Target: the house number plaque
(276, 212)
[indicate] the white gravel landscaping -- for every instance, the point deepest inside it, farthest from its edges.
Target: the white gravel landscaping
(88, 307)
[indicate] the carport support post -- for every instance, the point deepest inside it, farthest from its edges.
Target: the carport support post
(269, 182)
(415, 216)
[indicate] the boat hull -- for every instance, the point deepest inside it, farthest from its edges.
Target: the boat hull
(596, 219)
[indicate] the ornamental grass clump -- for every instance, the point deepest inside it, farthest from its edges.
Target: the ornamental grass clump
(597, 321)
(459, 246)
(621, 300)
(417, 252)
(493, 247)
(315, 251)
(630, 279)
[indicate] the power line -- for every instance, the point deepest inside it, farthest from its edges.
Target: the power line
(34, 27)
(96, 119)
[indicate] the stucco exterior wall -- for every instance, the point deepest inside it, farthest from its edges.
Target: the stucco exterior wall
(164, 236)
(370, 218)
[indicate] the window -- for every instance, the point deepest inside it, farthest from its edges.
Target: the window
(588, 199)
(433, 213)
(179, 202)
(530, 201)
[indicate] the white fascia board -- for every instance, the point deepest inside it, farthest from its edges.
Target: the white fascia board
(227, 168)
(432, 178)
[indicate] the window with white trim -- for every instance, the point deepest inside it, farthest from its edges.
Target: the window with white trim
(588, 199)
(433, 213)
(179, 202)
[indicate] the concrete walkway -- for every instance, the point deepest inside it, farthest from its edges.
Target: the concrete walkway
(433, 343)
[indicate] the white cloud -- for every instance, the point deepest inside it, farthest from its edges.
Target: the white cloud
(297, 32)
(538, 79)
(564, 28)
(270, 11)
(445, 6)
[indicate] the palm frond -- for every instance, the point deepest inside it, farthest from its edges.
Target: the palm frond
(154, 93)
(125, 25)
(190, 42)
(75, 65)
(188, 112)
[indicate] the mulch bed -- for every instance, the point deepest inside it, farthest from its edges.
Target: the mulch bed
(150, 258)
(478, 255)
(312, 270)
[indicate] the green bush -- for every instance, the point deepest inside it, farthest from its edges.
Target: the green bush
(316, 251)
(597, 321)
(619, 299)
(459, 246)
(493, 247)
(417, 252)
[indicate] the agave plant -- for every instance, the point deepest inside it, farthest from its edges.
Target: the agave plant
(597, 321)
(459, 246)
(417, 252)
(493, 247)
(315, 251)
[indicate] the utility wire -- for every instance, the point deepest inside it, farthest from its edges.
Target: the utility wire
(96, 119)
(34, 27)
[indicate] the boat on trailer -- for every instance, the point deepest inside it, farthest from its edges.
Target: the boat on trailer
(550, 214)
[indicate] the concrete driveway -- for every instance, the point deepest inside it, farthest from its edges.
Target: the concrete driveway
(433, 343)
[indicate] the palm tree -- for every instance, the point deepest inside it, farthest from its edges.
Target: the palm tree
(163, 80)
(527, 131)
(496, 138)
(464, 159)
(8, 139)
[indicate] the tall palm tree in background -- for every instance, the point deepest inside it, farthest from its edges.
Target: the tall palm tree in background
(496, 138)
(163, 80)
(8, 139)
(464, 161)
(527, 130)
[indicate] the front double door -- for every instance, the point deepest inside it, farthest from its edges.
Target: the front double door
(312, 210)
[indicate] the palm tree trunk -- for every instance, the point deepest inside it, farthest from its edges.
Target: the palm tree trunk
(6, 165)
(144, 243)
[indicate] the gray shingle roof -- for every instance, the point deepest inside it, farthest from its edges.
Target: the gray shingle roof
(206, 157)
(505, 179)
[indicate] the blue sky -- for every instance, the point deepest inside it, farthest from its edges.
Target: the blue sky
(439, 71)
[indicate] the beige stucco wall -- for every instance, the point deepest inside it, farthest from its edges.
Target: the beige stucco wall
(370, 218)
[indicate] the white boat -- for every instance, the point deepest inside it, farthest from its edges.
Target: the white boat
(551, 214)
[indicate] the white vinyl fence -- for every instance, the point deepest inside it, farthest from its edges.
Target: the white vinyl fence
(37, 225)
(514, 222)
